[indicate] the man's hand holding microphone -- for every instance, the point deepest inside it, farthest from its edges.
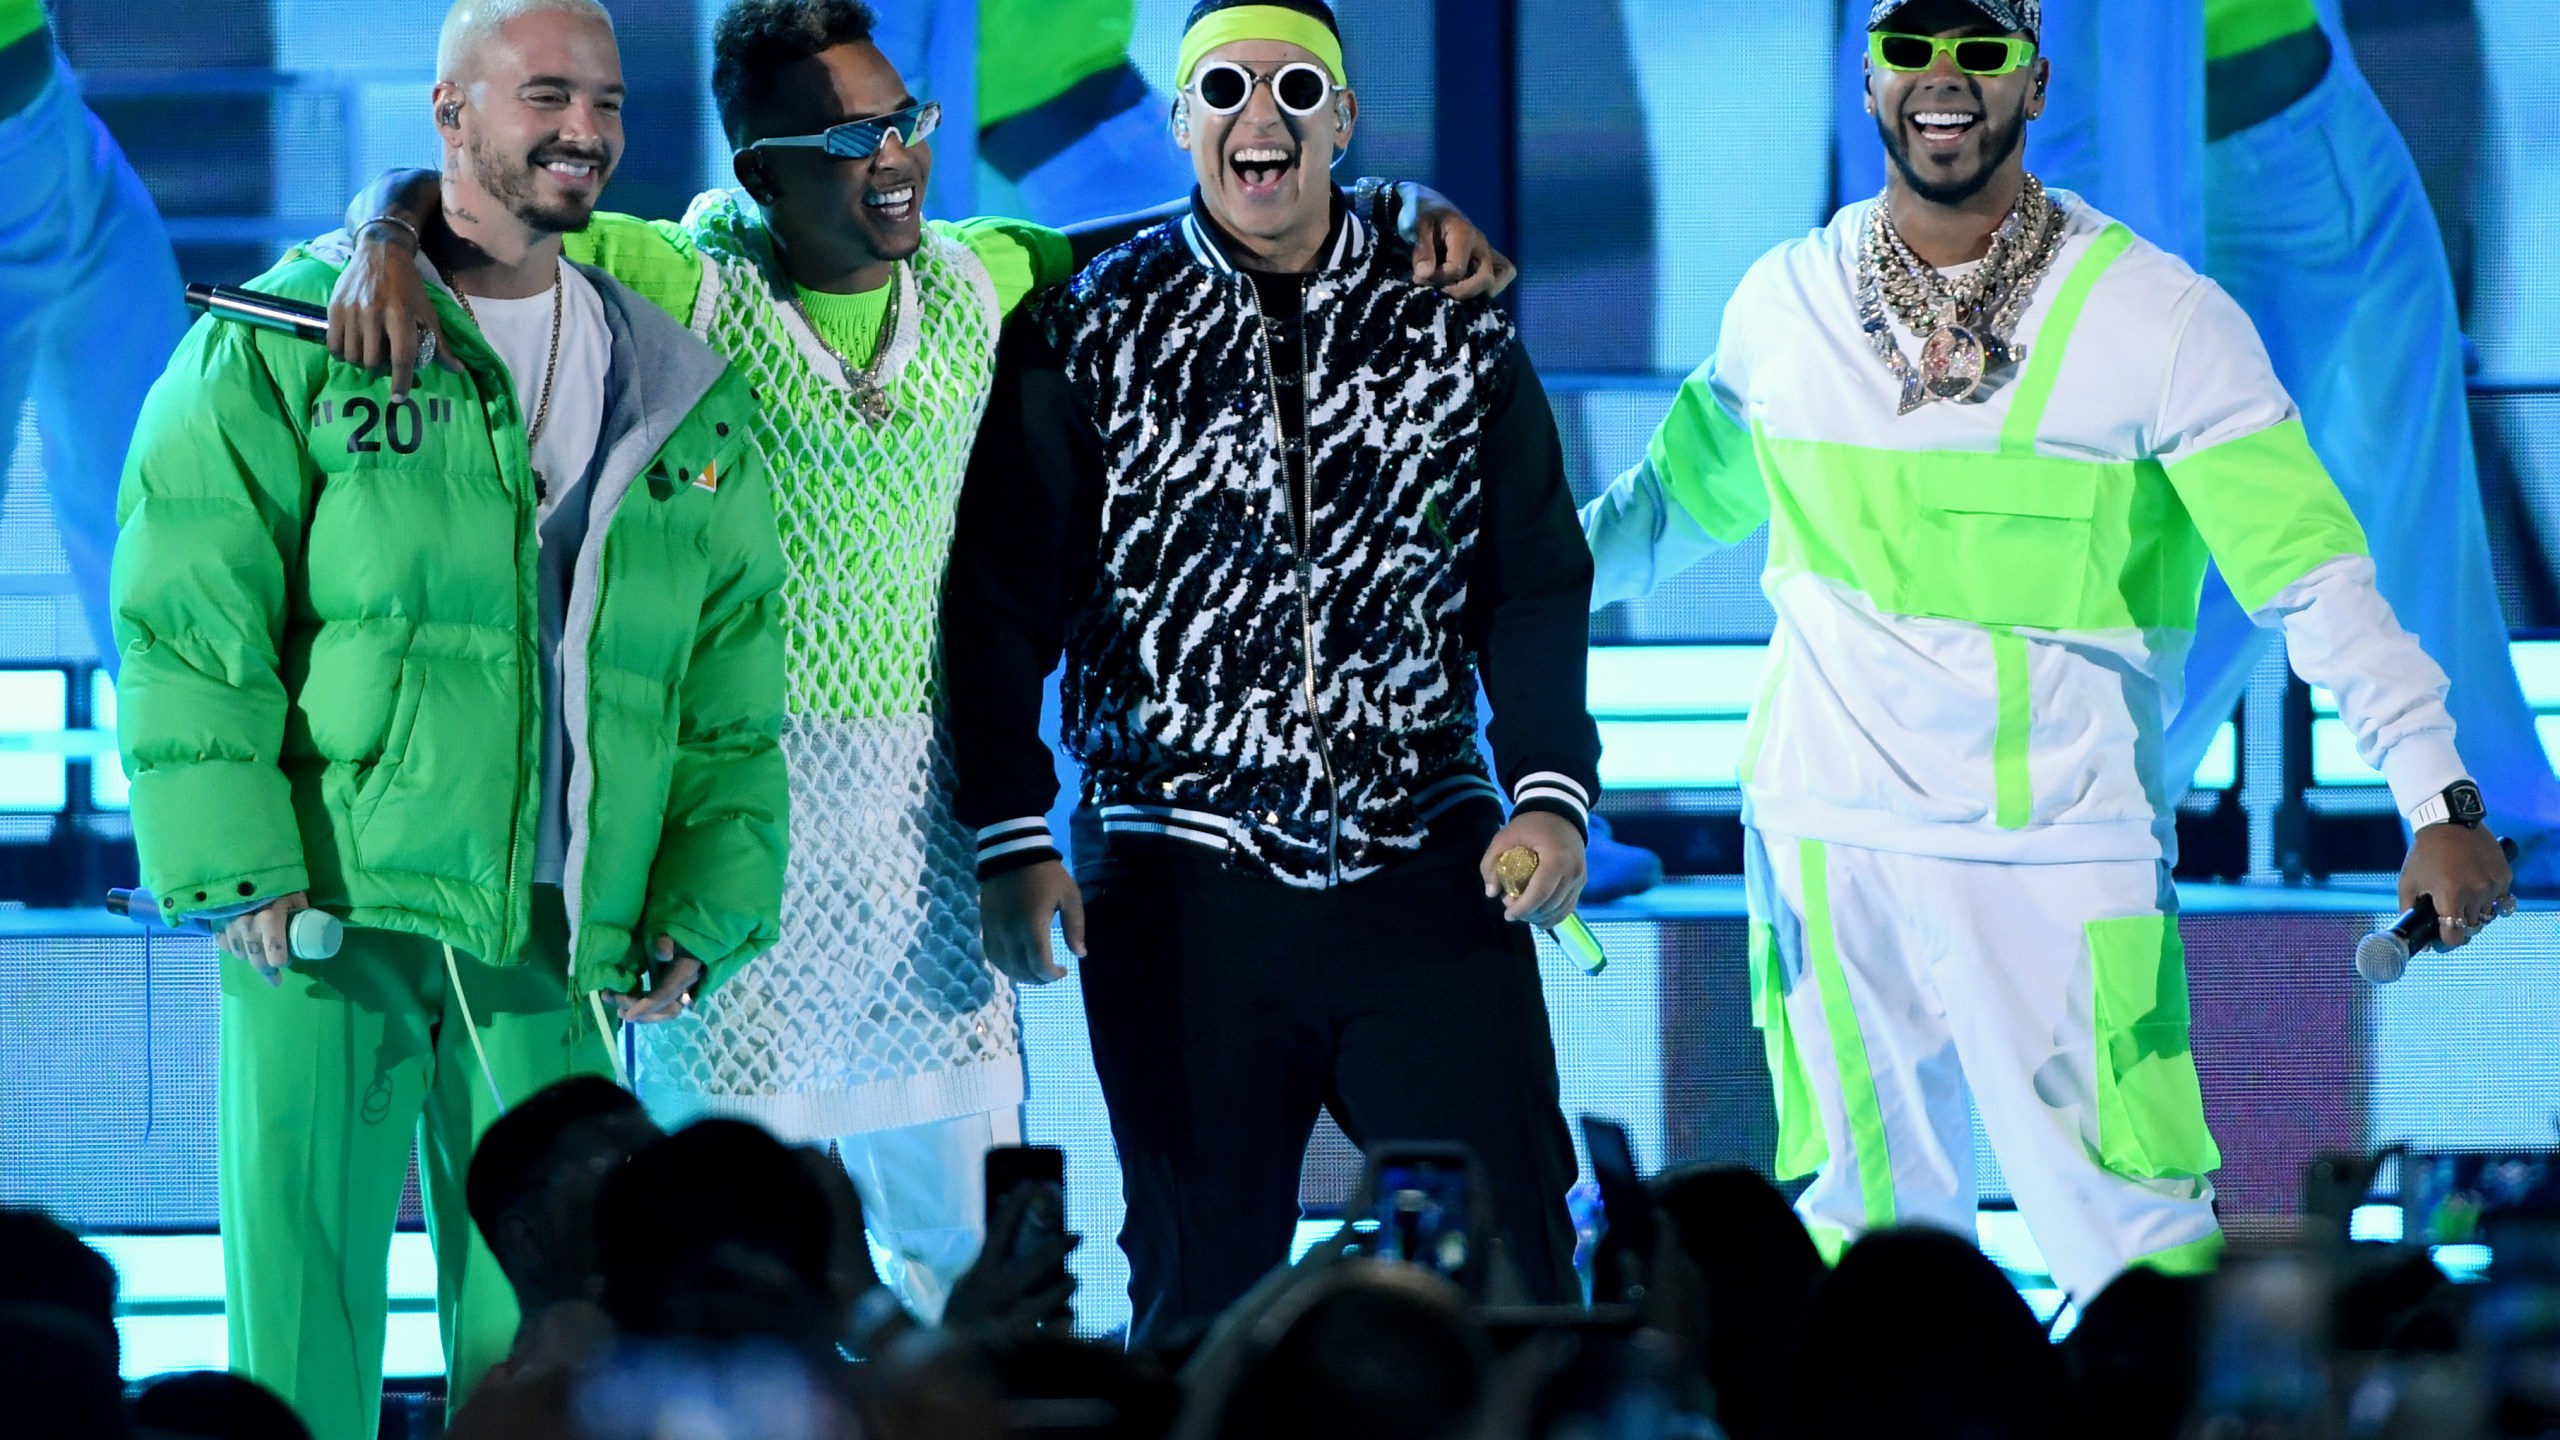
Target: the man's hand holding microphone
(2457, 879)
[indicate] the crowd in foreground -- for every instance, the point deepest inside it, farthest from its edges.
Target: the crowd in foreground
(716, 1283)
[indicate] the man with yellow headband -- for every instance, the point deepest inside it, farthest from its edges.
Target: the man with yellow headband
(1279, 506)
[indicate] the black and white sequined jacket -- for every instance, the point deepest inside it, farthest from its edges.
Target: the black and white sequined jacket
(1271, 652)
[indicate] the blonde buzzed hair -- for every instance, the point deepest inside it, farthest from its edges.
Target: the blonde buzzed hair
(471, 22)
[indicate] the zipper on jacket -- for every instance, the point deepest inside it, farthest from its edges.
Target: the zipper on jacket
(1302, 518)
(507, 939)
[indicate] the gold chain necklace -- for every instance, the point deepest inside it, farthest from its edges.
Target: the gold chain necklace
(1966, 326)
(870, 393)
(550, 372)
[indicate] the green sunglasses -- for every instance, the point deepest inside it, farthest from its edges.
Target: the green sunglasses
(1973, 54)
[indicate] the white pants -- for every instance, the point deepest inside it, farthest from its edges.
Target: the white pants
(924, 1199)
(1899, 993)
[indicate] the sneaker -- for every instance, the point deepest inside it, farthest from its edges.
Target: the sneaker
(1617, 869)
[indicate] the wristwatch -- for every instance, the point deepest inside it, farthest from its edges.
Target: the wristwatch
(2460, 804)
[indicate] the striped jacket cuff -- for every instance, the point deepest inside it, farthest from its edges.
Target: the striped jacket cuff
(1014, 845)
(1555, 793)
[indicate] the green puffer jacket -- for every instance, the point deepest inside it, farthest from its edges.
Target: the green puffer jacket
(327, 606)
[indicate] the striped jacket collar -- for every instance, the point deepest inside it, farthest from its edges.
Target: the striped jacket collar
(1213, 247)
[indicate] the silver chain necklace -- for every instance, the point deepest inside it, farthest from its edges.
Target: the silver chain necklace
(1967, 324)
(550, 373)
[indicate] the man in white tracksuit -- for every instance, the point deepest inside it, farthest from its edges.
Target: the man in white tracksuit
(1960, 832)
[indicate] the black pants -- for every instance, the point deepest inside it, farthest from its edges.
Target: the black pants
(1225, 1007)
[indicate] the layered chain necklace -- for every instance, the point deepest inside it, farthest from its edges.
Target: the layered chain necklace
(550, 372)
(869, 393)
(1965, 324)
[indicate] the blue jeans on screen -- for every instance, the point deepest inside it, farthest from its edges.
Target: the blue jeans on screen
(90, 310)
(2320, 228)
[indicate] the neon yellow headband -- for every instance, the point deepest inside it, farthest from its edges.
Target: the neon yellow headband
(1258, 22)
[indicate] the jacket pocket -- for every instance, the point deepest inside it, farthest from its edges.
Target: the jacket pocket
(1957, 535)
(442, 801)
(2150, 1106)
(395, 745)
(2018, 535)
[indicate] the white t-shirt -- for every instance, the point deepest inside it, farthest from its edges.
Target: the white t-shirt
(520, 331)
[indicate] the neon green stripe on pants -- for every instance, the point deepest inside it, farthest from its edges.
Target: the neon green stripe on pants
(1848, 1044)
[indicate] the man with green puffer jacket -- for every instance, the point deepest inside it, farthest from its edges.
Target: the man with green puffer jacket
(492, 671)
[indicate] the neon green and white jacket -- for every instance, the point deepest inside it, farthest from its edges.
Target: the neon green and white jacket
(1984, 609)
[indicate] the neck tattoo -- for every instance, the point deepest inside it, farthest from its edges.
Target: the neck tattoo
(1965, 324)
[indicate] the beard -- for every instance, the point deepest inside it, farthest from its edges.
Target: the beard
(1999, 142)
(516, 184)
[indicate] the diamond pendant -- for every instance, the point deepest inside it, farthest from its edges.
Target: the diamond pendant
(1952, 363)
(870, 400)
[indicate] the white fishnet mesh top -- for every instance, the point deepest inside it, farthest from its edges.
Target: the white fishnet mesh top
(877, 1009)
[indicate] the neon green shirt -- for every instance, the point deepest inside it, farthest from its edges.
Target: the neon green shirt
(2234, 26)
(20, 19)
(657, 258)
(1030, 52)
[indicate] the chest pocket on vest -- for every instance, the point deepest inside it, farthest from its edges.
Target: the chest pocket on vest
(2010, 540)
(1987, 538)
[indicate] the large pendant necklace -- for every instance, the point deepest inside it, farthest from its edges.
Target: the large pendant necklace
(550, 372)
(1965, 325)
(864, 385)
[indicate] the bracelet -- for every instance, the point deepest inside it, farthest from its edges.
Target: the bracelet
(416, 240)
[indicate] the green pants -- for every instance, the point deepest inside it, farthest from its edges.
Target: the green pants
(325, 1083)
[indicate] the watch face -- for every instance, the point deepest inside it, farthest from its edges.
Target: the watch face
(2462, 801)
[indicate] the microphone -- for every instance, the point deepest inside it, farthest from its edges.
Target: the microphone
(262, 311)
(312, 934)
(2383, 956)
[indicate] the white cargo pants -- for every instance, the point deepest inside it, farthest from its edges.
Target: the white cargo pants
(1899, 993)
